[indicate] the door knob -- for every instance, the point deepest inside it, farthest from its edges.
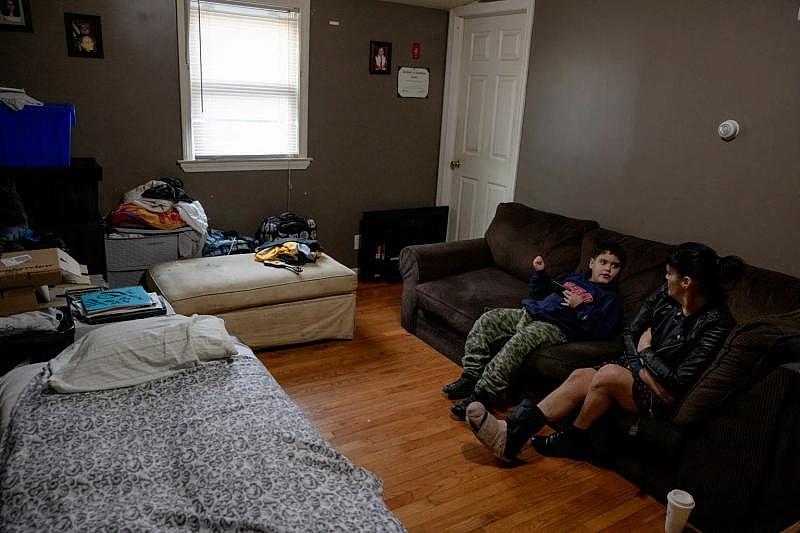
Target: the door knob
(455, 164)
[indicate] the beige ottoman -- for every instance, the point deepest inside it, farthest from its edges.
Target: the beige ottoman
(261, 305)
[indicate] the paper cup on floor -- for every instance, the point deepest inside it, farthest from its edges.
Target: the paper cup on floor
(679, 506)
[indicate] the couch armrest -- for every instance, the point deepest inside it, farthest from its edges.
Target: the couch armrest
(425, 262)
(746, 458)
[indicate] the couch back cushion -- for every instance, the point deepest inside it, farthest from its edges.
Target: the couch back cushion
(763, 292)
(752, 350)
(519, 233)
(644, 266)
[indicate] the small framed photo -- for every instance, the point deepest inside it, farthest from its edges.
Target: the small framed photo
(380, 57)
(84, 35)
(15, 15)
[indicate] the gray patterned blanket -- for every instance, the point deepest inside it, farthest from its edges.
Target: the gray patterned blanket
(218, 447)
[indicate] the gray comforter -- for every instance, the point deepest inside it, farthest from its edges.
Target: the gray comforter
(216, 447)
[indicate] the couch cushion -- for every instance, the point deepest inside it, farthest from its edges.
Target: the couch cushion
(519, 233)
(211, 285)
(459, 300)
(751, 350)
(644, 266)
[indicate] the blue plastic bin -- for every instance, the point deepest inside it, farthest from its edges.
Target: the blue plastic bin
(36, 136)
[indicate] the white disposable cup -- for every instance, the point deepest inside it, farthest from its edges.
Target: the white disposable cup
(679, 506)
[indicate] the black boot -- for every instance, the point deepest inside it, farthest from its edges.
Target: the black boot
(460, 388)
(526, 420)
(572, 443)
(459, 409)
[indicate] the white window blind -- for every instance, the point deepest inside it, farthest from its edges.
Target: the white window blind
(244, 79)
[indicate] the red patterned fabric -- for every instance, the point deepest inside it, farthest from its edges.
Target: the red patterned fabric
(133, 216)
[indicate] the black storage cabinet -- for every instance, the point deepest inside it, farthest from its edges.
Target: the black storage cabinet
(36, 346)
(385, 233)
(64, 202)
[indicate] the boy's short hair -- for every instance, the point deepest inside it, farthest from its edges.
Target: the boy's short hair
(610, 247)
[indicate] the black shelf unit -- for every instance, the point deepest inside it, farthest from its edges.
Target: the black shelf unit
(385, 233)
(65, 202)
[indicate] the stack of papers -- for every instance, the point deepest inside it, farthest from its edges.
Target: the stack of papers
(111, 305)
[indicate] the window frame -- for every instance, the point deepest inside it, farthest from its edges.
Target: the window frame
(243, 163)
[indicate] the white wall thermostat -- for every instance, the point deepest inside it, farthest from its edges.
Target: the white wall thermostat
(728, 130)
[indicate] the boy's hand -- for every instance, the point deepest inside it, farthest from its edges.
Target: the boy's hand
(538, 263)
(571, 299)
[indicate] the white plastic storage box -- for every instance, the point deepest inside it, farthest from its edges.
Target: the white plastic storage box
(130, 252)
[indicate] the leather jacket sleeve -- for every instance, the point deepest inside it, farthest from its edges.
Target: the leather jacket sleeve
(637, 326)
(679, 379)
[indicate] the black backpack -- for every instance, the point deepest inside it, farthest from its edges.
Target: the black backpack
(287, 225)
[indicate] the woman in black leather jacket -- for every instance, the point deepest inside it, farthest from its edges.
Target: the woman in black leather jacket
(673, 338)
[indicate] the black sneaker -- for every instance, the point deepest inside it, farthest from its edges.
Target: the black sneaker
(459, 409)
(573, 443)
(460, 388)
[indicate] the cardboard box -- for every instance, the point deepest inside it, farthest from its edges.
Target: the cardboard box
(33, 268)
(24, 299)
(93, 281)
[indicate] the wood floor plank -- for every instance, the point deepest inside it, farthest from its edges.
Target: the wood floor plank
(378, 399)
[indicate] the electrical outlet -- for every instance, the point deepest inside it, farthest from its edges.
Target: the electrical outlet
(356, 241)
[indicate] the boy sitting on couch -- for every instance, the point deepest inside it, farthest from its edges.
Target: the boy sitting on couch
(575, 307)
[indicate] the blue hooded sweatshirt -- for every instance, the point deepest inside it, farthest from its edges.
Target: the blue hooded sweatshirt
(597, 318)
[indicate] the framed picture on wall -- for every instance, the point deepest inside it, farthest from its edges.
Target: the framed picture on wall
(15, 15)
(380, 57)
(84, 35)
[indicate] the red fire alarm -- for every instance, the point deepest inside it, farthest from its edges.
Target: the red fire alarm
(415, 49)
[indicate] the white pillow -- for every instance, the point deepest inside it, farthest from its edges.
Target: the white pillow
(128, 353)
(12, 384)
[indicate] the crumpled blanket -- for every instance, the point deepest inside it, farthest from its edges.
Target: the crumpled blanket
(130, 215)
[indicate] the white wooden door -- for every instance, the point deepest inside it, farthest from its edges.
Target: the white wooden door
(479, 161)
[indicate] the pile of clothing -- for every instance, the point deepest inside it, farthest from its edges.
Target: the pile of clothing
(290, 253)
(220, 242)
(162, 204)
(159, 204)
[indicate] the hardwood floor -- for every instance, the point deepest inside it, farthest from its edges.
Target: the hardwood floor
(377, 399)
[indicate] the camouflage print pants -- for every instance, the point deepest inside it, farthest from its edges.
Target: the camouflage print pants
(526, 334)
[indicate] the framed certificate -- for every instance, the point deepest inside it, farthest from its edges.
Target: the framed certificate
(413, 82)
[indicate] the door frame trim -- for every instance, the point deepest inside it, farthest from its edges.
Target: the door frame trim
(455, 36)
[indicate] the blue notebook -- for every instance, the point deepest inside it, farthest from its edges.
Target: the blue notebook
(120, 298)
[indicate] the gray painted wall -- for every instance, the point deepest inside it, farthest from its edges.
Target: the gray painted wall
(371, 149)
(623, 102)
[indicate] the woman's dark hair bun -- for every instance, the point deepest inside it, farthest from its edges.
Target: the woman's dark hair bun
(702, 263)
(731, 269)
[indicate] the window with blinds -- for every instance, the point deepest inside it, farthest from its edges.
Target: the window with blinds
(245, 94)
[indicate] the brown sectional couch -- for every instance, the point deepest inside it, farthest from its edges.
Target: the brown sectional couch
(735, 440)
